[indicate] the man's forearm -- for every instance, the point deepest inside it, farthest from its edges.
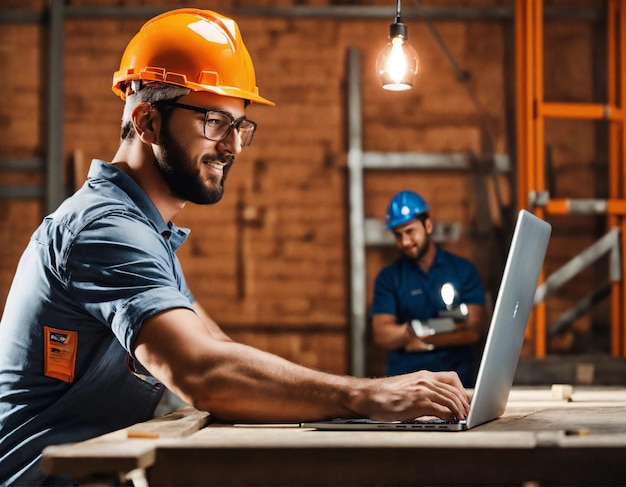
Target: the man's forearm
(236, 382)
(242, 383)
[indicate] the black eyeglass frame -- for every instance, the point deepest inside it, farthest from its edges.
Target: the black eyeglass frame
(207, 111)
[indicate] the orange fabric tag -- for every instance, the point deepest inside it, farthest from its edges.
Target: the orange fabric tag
(60, 353)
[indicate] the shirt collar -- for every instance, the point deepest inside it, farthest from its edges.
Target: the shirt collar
(437, 261)
(170, 232)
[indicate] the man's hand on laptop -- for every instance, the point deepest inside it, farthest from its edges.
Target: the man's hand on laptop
(409, 396)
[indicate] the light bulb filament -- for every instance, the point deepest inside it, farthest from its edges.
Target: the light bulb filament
(396, 65)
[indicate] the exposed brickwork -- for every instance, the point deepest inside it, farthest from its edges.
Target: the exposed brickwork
(271, 260)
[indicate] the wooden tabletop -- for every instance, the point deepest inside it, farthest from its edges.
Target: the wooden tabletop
(539, 439)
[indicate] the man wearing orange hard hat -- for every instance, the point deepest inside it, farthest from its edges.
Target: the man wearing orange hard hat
(99, 319)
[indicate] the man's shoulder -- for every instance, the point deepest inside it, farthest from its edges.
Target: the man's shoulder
(85, 207)
(395, 264)
(448, 255)
(89, 215)
(393, 269)
(448, 258)
(105, 192)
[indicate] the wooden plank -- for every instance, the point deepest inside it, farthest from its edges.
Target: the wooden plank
(177, 424)
(108, 456)
(115, 454)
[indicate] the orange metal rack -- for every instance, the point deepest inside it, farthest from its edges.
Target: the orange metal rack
(533, 110)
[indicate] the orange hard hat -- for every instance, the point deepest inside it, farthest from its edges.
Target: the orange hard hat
(197, 49)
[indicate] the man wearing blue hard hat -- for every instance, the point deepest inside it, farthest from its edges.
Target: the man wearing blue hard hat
(427, 309)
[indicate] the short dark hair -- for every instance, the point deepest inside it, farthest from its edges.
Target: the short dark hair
(147, 93)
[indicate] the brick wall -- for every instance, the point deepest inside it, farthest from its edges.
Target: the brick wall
(271, 261)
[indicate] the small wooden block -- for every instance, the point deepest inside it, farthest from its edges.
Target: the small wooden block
(562, 392)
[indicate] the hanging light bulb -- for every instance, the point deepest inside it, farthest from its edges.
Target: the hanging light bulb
(397, 63)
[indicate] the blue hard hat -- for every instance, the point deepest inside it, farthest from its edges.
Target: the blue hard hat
(404, 207)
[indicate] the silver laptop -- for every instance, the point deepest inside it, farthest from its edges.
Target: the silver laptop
(504, 339)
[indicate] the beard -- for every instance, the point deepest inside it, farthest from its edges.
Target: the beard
(416, 254)
(421, 251)
(183, 175)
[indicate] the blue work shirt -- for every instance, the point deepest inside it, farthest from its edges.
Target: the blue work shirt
(403, 289)
(93, 271)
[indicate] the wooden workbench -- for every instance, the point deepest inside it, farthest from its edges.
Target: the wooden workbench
(539, 440)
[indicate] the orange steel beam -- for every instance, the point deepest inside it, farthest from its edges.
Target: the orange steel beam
(530, 96)
(616, 207)
(538, 183)
(580, 111)
(558, 206)
(526, 28)
(563, 206)
(521, 95)
(538, 173)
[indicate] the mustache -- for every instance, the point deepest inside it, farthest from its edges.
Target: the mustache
(226, 159)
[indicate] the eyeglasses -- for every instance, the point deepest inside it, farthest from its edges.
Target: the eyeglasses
(218, 123)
